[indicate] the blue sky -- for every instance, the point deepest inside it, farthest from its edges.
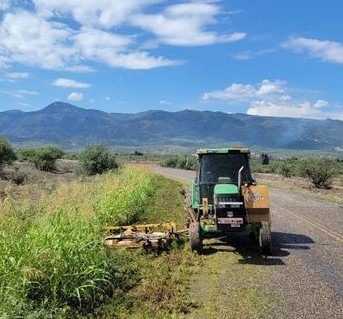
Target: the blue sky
(273, 58)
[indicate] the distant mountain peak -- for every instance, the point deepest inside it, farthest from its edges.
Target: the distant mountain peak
(60, 106)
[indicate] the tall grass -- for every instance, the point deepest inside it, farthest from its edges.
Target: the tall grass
(126, 204)
(52, 257)
(53, 261)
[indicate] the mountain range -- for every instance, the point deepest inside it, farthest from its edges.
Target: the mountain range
(69, 127)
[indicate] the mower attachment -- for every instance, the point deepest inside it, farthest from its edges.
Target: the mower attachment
(151, 237)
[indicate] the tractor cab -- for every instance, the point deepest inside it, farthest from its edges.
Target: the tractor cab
(219, 167)
(225, 196)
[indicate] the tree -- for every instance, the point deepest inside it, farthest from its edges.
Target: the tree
(7, 154)
(45, 158)
(96, 159)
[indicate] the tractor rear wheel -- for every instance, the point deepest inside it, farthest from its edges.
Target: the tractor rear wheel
(265, 239)
(195, 237)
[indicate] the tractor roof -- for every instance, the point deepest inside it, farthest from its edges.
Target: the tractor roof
(230, 150)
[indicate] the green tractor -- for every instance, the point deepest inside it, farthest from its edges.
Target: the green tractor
(226, 199)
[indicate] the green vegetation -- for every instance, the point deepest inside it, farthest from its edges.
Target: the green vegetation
(188, 162)
(17, 176)
(44, 158)
(320, 171)
(54, 263)
(130, 204)
(96, 159)
(7, 154)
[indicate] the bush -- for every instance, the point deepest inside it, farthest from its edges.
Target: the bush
(96, 159)
(285, 170)
(320, 172)
(18, 176)
(44, 158)
(7, 154)
(26, 154)
(71, 156)
(181, 162)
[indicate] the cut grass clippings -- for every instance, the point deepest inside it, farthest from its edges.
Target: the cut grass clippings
(226, 286)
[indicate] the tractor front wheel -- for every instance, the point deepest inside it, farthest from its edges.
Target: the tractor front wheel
(195, 236)
(265, 238)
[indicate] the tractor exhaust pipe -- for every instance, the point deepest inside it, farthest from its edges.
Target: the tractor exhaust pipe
(240, 177)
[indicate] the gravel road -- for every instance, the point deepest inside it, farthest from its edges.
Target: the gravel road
(304, 277)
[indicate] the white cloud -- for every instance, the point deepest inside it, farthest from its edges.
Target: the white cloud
(178, 24)
(185, 25)
(320, 103)
(272, 98)
(165, 103)
(90, 40)
(100, 13)
(267, 87)
(15, 76)
(245, 92)
(235, 91)
(248, 55)
(20, 94)
(35, 37)
(114, 50)
(28, 92)
(4, 4)
(75, 96)
(79, 69)
(285, 97)
(245, 55)
(328, 51)
(30, 40)
(136, 60)
(68, 83)
(269, 108)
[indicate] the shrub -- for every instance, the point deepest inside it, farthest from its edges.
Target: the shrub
(71, 156)
(26, 154)
(285, 170)
(18, 176)
(96, 159)
(320, 172)
(7, 154)
(181, 161)
(45, 158)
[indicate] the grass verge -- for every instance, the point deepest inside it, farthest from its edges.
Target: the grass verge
(54, 263)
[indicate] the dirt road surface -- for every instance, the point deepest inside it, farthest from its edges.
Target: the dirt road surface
(302, 279)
